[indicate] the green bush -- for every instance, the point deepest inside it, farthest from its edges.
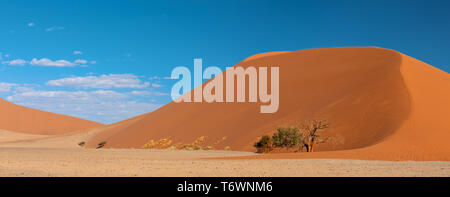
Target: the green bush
(173, 147)
(264, 144)
(197, 147)
(207, 148)
(287, 137)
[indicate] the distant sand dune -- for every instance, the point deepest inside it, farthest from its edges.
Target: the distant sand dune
(26, 120)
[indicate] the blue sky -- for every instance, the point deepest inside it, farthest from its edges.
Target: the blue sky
(107, 60)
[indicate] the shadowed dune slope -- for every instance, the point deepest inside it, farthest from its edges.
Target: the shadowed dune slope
(26, 120)
(379, 101)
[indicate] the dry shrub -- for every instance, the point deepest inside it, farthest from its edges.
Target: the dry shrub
(197, 147)
(220, 140)
(207, 148)
(199, 140)
(160, 144)
(101, 144)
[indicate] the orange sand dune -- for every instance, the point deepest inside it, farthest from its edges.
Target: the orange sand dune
(384, 104)
(26, 120)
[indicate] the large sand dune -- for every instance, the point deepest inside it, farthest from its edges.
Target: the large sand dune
(385, 105)
(26, 120)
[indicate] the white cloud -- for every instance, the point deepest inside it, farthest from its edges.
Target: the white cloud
(54, 28)
(108, 94)
(160, 94)
(31, 24)
(156, 85)
(6, 87)
(146, 93)
(101, 105)
(102, 81)
(78, 96)
(159, 78)
(80, 61)
(16, 62)
(77, 52)
(48, 62)
(23, 89)
(93, 62)
(140, 93)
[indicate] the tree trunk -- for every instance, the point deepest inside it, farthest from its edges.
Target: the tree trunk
(312, 145)
(307, 148)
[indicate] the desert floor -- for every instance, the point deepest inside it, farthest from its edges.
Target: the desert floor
(40, 155)
(129, 162)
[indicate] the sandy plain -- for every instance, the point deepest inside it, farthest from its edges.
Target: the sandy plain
(78, 162)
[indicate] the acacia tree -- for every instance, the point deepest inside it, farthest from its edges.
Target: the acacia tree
(287, 137)
(310, 130)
